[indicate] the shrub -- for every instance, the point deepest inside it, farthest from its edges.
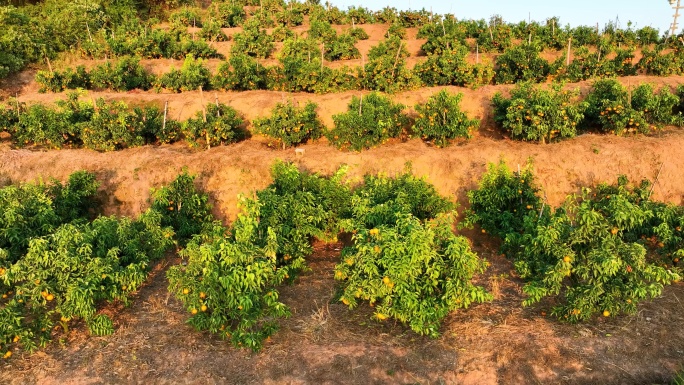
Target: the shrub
(380, 200)
(219, 125)
(658, 63)
(495, 37)
(113, 257)
(342, 48)
(56, 267)
(359, 15)
(603, 90)
(229, 283)
(40, 125)
(291, 125)
(538, 114)
(297, 208)
(281, 34)
(584, 65)
(359, 33)
(396, 30)
(290, 17)
(589, 253)
(321, 30)
(154, 130)
(417, 273)
(370, 120)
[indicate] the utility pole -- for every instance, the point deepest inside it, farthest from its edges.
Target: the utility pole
(674, 26)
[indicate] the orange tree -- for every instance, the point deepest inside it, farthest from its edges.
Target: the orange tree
(229, 284)
(57, 267)
(369, 121)
(240, 73)
(441, 119)
(192, 75)
(449, 67)
(534, 113)
(588, 254)
(521, 63)
(220, 124)
(183, 207)
(100, 126)
(615, 109)
(300, 207)
(291, 125)
(405, 260)
(386, 69)
(56, 81)
(503, 199)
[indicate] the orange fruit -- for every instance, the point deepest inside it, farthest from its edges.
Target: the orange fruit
(186, 291)
(49, 297)
(193, 311)
(386, 281)
(203, 308)
(8, 354)
(203, 295)
(345, 301)
(566, 259)
(614, 231)
(484, 231)
(606, 313)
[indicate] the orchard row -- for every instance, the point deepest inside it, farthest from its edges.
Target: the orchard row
(600, 253)
(531, 113)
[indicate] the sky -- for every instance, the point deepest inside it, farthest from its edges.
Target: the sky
(654, 13)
